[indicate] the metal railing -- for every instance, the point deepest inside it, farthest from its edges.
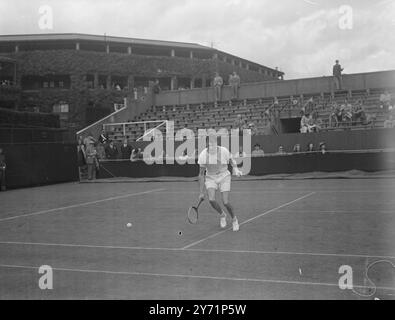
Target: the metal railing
(147, 131)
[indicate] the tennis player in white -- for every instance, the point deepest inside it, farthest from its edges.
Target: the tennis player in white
(214, 162)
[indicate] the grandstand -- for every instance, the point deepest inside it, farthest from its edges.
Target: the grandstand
(270, 114)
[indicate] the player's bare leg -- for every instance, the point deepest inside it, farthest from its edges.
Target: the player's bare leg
(229, 208)
(216, 206)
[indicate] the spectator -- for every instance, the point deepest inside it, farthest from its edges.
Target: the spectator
(140, 154)
(346, 109)
(81, 156)
(111, 151)
(88, 139)
(310, 147)
(239, 123)
(337, 75)
(385, 101)
(254, 130)
(118, 87)
(304, 124)
(312, 127)
(2, 170)
(296, 148)
(101, 152)
(280, 150)
(258, 151)
(322, 147)
(240, 153)
(234, 82)
(218, 83)
(91, 160)
(389, 122)
(336, 116)
(358, 114)
(126, 150)
(103, 138)
(156, 87)
(134, 155)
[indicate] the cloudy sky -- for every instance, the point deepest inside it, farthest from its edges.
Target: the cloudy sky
(301, 37)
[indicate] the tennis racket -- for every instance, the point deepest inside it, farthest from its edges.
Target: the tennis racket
(193, 213)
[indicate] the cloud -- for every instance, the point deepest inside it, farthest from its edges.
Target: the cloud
(300, 37)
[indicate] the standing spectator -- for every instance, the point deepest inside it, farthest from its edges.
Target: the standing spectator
(126, 150)
(111, 151)
(218, 83)
(81, 156)
(91, 160)
(2, 170)
(337, 75)
(88, 139)
(103, 138)
(234, 82)
(101, 152)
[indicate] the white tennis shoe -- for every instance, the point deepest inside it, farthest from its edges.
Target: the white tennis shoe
(222, 220)
(235, 225)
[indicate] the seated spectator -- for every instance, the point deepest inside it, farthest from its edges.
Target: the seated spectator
(126, 150)
(111, 151)
(322, 147)
(336, 116)
(134, 155)
(140, 154)
(385, 101)
(240, 154)
(2, 170)
(358, 114)
(304, 124)
(254, 130)
(118, 87)
(239, 124)
(296, 148)
(103, 138)
(311, 126)
(310, 147)
(346, 110)
(280, 150)
(389, 122)
(258, 151)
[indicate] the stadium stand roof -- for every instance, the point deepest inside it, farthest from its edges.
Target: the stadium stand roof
(89, 37)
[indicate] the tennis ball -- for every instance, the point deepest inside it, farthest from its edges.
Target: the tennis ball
(128, 224)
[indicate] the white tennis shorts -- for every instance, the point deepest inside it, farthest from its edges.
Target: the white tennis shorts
(220, 181)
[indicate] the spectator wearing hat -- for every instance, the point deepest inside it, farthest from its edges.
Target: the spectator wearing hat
(322, 147)
(111, 151)
(103, 138)
(337, 75)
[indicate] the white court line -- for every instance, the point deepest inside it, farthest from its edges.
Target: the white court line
(66, 245)
(282, 191)
(248, 220)
(79, 205)
(146, 274)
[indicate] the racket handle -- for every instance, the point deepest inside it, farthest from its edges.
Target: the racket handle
(199, 203)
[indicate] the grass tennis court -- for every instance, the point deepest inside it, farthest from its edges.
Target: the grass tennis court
(294, 236)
